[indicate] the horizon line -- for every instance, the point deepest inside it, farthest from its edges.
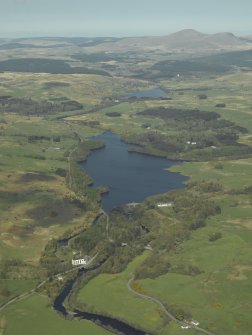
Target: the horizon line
(82, 35)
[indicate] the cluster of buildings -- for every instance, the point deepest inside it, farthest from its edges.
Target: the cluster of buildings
(190, 324)
(167, 204)
(81, 261)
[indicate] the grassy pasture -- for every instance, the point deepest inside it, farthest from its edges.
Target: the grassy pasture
(30, 190)
(36, 202)
(34, 315)
(108, 294)
(233, 174)
(218, 297)
(11, 288)
(233, 90)
(87, 89)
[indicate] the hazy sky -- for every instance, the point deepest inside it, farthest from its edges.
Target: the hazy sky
(122, 17)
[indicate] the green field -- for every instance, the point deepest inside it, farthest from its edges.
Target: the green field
(234, 175)
(210, 297)
(218, 297)
(34, 315)
(38, 206)
(10, 288)
(108, 294)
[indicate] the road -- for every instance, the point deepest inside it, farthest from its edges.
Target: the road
(107, 224)
(32, 291)
(159, 303)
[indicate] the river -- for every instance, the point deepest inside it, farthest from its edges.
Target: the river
(104, 321)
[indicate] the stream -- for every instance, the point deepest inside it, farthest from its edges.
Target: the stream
(104, 321)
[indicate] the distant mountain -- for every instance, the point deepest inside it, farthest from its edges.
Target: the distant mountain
(223, 39)
(248, 38)
(187, 39)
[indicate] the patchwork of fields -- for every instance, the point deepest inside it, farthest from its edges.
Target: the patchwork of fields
(37, 207)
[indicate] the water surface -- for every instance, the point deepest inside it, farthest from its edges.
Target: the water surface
(152, 93)
(104, 321)
(130, 176)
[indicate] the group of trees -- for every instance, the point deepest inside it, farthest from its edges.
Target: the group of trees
(25, 106)
(50, 262)
(126, 238)
(78, 181)
(189, 135)
(181, 115)
(189, 212)
(205, 186)
(113, 114)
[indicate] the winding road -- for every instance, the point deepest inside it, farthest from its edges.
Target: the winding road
(159, 303)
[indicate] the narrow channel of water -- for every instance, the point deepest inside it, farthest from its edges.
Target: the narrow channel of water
(104, 321)
(129, 176)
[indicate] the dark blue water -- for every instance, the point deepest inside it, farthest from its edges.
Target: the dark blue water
(130, 176)
(105, 321)
(152, 93)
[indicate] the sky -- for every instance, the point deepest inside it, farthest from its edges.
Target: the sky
(27, 18)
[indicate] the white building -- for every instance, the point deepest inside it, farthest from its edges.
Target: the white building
(160, 205)
(77, 262)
